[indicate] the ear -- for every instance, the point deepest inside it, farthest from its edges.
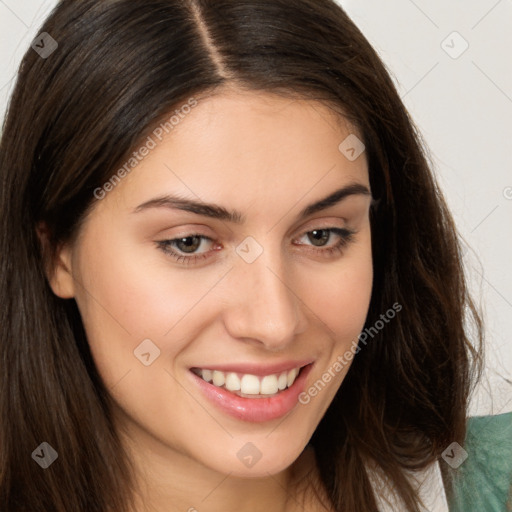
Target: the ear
(57, 264)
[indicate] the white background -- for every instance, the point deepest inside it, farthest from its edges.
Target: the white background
(462, 106)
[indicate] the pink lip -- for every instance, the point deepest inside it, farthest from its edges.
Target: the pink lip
(255, 409)
(257, 369)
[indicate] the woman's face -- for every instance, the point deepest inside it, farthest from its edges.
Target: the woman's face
(173, 295)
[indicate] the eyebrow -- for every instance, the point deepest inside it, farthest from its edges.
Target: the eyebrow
(219, 212)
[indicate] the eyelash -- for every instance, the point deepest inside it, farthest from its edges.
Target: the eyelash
(346, 237)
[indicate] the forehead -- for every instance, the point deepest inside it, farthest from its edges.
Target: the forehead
(242, 146)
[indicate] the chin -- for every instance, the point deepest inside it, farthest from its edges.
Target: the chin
(258, 456)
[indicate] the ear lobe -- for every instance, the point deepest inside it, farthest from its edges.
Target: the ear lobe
(57, 264)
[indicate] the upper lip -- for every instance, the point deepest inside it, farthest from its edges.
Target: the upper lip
(257, 369)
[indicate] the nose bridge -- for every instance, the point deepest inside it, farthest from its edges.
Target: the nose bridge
(263, 307)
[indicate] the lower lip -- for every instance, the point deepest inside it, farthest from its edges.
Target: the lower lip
(255, 409)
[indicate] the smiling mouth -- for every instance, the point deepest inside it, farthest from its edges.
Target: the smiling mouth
(247, 385)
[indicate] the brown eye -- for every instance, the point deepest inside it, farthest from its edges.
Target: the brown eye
(188, 244)
(185, 249)
(320, 236)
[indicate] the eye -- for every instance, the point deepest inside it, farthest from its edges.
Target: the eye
(184, 249)
(320, 237)
(187, 245)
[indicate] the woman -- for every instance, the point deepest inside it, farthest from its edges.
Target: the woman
(229, 279)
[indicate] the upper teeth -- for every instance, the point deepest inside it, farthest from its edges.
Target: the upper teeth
(248, 384)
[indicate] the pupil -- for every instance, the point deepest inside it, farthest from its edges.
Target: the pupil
(192, 245)
(322, 239)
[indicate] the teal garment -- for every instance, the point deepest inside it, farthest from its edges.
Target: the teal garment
(483, 482)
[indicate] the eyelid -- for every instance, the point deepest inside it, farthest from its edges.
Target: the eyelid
(312, 225)
(345, 235)
(323, 223)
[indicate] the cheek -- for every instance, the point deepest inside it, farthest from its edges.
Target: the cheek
(340, 301)
(135, 286)
(128, 297)
(341, 294)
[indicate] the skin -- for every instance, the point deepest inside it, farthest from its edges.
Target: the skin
(268, 157)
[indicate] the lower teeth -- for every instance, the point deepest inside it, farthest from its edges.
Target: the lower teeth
(245, 395)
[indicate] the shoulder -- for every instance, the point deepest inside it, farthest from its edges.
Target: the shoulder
(483, 482)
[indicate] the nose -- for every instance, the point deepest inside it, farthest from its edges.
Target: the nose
(262, 306)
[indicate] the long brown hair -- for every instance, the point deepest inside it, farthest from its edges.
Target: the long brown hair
(119, 67)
